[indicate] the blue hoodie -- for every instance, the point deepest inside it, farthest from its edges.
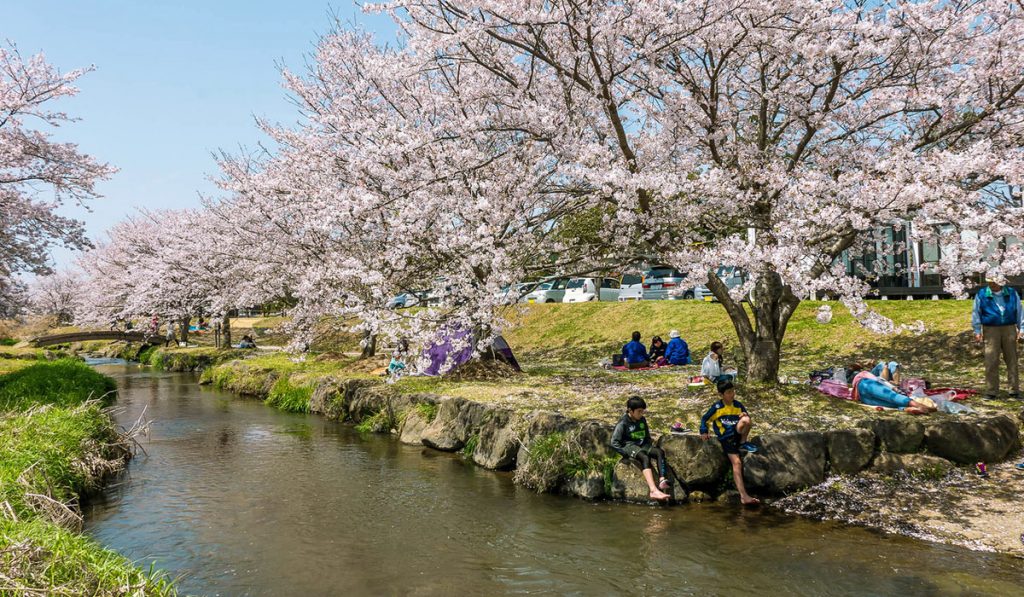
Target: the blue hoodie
(677, 353)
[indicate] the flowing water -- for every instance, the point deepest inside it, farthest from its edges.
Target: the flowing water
(235, 498)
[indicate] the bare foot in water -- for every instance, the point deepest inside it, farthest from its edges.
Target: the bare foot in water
(750, 501)
(659, 495)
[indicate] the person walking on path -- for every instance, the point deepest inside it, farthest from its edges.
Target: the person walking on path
(998, 319)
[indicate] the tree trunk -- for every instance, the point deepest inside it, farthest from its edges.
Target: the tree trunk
(183, 326)
(369, 345)
(772, 305)
(225, 330)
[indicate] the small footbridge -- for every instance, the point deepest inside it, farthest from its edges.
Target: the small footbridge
(139, 337)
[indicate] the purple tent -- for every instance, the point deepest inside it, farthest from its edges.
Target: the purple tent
(455, 347)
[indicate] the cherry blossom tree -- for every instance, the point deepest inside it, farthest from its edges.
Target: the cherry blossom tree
(37, 173)
(772, 136)
(398, 181)
(56, 295)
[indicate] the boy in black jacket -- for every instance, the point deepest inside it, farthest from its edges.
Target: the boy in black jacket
(632, 439)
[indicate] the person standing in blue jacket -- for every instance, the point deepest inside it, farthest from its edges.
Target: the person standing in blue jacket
(998, 319)
(635, 353)
(677, 353)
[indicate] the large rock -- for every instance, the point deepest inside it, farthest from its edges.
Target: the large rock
(329, 399)
(498, 444)
(888, 463)
(785, 462)
(457, 420)
(595, 438)
(589, 486)
(628, 484)
(849, 450)
(966, 441)
(694, 461)
(414, 423)
(537, 424)
(364, 398)
(899, 433)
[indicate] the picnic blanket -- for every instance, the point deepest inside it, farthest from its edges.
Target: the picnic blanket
(961, 393)
(647, 368)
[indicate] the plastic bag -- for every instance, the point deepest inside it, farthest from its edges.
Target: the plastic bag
(945, 404)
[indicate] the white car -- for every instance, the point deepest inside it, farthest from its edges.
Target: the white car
(631, 288)
(584, 290)
(551, 291)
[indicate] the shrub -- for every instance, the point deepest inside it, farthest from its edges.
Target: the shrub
(428, 410)
(289, 397)
(48, 559)
(471, 445)
(382, 422)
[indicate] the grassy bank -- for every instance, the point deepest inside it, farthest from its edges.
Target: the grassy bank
(559, 347)
(57, 444)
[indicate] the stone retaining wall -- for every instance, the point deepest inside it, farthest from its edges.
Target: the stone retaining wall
(554, 453)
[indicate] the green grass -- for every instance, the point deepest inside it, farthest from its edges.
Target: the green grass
(47, 559)
(8, 341)
(581, 333)
(52, 451)
(471, 444)
(289, 397)
(188, 359)
(381, 422)
(60, 383)
(56, 444)
(428, 410)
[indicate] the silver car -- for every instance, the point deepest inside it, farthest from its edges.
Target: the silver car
(665, 283)
(730, 275)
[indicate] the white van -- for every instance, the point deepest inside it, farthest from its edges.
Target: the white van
(584, 290)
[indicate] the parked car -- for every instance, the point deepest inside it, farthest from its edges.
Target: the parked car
(665, 283)
(631, 287)
(730, 275)
(582, 290)
(551, 291)
(513, 294)
(406, 299)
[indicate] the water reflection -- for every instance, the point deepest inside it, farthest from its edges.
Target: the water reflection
(241, 499)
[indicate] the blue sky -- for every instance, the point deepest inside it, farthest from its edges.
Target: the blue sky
(174, 82)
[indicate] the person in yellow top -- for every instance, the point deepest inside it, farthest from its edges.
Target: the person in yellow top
(731, 422)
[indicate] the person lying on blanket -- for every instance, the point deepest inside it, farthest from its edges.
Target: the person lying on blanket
(872, 390)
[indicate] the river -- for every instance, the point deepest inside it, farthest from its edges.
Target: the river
(236, 498)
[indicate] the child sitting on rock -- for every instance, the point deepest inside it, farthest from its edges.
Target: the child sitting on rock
(632, 439)
(731, 422)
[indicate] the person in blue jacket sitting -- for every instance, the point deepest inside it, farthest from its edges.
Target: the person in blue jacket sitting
(677, 353)
(635, 353)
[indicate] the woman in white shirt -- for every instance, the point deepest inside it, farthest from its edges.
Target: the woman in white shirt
(711, 367)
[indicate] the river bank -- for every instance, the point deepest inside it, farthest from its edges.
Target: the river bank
(234, 498)
(57, 446)
(819, 457)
